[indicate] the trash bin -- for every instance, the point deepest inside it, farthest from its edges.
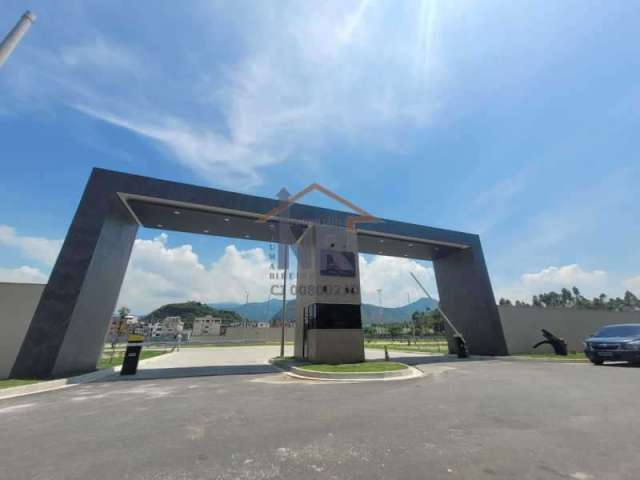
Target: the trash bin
(132, 355)
(461, 346)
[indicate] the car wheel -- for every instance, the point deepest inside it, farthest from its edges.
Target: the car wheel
(596, 361)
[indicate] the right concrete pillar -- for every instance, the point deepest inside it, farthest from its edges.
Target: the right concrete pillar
(467, 299)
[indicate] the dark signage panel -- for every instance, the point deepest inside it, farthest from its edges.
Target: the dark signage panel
(334, 263)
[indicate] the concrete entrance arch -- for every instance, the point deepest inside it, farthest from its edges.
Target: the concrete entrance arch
(68, 328)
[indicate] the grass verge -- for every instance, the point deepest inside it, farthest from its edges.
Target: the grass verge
(17, 382)
(363, 367)
(108, 361)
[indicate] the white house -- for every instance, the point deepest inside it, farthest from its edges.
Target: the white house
(206, 326)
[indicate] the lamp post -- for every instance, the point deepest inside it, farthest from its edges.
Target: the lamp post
(12, 39)
(284, 300)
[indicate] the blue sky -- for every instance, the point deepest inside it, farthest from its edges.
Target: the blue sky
(515, 120)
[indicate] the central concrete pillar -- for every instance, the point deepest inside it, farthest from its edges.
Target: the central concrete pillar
(328, 317)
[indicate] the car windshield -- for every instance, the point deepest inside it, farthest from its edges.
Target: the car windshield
(619, 331)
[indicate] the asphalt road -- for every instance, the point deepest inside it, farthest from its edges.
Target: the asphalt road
(482, 419)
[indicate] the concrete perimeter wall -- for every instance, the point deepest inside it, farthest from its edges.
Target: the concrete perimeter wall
(522, 325)
(237, 334)
(18, 302)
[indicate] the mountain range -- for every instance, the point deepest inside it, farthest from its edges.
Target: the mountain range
(272, 309)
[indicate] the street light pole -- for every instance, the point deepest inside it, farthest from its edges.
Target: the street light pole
(246, 304)
(284, 299)
(12, 39)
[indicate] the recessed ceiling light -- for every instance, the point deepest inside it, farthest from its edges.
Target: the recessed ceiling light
(176, 212)
(410, 245)
(159, 226)
(247, 236)
(379, 253)
(406, 255)
(205, 231)
(227, 219)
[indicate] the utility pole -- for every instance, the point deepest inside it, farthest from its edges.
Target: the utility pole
(246, 304)
(12, 39)
(283, 259)
(284, 299)
(380, 305)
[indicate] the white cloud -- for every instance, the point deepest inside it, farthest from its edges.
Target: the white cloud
(352, 70)
(204, 151)
(590, 283)
(495, 204)
(101, 54)
(632, 284)
(160, 274)
(302, 79)
(24, 274)
(392, 276)
(37, 248)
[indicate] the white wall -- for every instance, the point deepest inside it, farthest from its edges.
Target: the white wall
(18, 302)
(522, 325)
(254, 334)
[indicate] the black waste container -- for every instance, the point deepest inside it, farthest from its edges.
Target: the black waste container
(132, 355)
(461, 346)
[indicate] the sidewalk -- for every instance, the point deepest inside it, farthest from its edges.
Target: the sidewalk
(60, 383)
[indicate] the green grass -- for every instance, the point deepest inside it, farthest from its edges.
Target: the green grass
(363, 367)
(421, 346)
(17, 382)
(107, 361)
(551, 356)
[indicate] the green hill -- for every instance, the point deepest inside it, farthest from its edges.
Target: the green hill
(190, 310)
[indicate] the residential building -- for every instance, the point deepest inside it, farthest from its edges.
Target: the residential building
(172, 325)
(207, 325)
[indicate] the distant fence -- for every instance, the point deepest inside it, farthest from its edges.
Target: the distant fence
(522, 325)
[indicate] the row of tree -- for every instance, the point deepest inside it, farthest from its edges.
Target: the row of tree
(421, 324)
(574, 299)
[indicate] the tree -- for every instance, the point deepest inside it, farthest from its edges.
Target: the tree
(435, 322)
(123, 312)
(394, 329)
(630, 300)
(567, 298)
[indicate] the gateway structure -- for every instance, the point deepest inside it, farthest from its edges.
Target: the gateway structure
(66, 334)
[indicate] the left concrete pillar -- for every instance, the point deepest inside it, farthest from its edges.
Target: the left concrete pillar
(67, 332)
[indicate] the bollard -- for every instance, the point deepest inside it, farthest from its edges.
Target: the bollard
(386, 354)
(132, 355)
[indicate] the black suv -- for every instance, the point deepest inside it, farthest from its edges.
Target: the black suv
(614, 342)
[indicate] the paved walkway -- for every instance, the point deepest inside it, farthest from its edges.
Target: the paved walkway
(236, 360)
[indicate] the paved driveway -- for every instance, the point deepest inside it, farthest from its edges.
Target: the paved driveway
(192, 361)
(478, 419)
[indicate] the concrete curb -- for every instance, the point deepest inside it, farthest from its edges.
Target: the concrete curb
(405, 374)
(59, 384)
(519, 358)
